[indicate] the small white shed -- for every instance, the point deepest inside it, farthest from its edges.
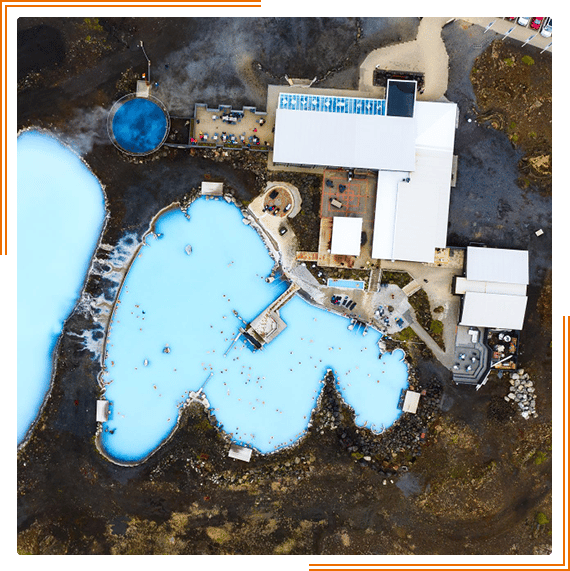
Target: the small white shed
(240, 453)
(411, 402)
(212, 188)
(102, 410)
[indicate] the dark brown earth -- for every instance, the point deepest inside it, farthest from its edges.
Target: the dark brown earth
(479, 479)
(514, 95)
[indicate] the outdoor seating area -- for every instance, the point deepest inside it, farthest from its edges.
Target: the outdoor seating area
(471, 358)
(278, 201)
(224, 126)
(346, 194)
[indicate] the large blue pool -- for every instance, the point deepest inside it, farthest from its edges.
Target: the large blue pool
(60, 215)
(186, 302)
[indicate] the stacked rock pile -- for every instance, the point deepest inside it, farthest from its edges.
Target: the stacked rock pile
(522, 394)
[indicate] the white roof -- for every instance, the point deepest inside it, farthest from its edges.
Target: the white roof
(212, 188)
(346, 236)
(493, 310)
(349, 140)
(410, 221)
(435, 124)
(385, 214)
(102, 411)
(497, 265)
(411, 402)
(463, 285)
(240, 453)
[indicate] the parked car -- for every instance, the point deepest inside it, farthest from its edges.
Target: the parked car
(352, 305)
(546, 31)
(282, 230)
(535, 23)
(523, 21)
(511, 19)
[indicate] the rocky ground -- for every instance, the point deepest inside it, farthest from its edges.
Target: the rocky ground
(467, 475)
(514, 95)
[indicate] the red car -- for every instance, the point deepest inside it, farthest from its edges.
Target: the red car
(535, 23)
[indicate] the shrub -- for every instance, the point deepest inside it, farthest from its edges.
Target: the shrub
(436, 327)
(527, 60)
(541, 519)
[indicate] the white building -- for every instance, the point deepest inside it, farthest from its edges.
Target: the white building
(346, 236)
(494, 288)
(413, 154)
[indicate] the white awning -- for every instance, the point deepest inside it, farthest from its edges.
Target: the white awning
(463, 285)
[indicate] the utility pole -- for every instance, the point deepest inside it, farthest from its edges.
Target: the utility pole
(546, 47)
(508, 32)
(528, 40)
(148, 61)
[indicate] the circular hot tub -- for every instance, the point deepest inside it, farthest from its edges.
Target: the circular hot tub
(138, 125)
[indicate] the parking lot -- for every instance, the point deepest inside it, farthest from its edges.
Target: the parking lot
(514, 30)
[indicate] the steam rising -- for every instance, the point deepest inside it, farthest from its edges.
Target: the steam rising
(87, 128)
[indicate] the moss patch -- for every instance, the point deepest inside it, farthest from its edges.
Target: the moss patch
(401, 279)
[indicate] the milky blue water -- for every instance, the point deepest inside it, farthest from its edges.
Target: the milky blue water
(60, 215)
(139, 125)
(186, 302)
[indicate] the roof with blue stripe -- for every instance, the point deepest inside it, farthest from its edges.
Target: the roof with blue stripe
(332, 104)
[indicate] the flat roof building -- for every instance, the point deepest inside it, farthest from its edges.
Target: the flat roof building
(411, 402)
(346, 132)
(412, 150)
(412, 208)
(102, 413)
(240, 452)
(212, 188)
(346, 236)
(494, 288)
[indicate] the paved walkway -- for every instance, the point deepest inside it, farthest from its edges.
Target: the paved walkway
(427, 53)
(437, 282)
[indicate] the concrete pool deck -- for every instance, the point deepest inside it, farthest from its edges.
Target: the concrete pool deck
(435, 279)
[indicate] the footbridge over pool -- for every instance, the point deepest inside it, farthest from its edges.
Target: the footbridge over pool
(268, 324)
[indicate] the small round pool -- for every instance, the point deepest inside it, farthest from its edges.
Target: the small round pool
(138, 125)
